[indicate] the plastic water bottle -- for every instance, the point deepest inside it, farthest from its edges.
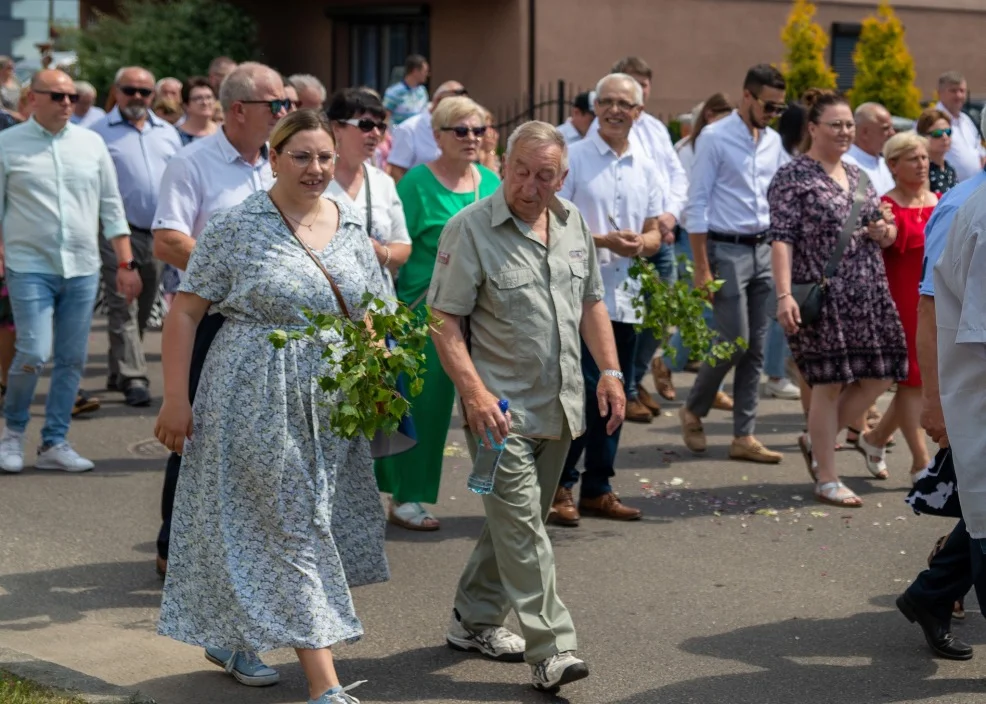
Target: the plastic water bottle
(487, 459)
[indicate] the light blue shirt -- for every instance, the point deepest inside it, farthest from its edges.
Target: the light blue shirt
(936, 231)
(140, 157)
(730, 177)
(55, 190)
(403, 101)
(92, 116)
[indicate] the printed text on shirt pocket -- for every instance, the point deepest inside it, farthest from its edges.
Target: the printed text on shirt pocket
(512, 293)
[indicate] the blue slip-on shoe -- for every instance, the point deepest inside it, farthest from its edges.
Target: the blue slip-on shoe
(339, 697)
(244, 665)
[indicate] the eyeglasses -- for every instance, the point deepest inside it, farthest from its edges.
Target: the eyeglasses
(770, 108)
(457, 91)
(59, 97)
(840, 125)
(938, 134)
(131, 91)
(462, 132)
(276, 106)
(623, 105)
(207, 98)
(366, 124)
(303, 159)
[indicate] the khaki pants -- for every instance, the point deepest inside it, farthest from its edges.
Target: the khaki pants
(513, 565)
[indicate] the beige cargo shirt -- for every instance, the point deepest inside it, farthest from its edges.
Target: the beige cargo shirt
(524, 303)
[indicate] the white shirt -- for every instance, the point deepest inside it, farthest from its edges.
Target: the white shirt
(730, 177)
(569, 132)
(92, 116)
(874, 166)
(686, 155)
(651, 134)
(207, 176)
(414, 142)
(626, 188)
(967, 150)
(960, 307)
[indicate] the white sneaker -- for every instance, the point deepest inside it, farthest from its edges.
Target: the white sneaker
(783, 388)
(563, 668)
(495, 643)
(62, 456)
(11, 451)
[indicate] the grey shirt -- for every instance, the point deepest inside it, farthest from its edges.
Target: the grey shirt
(524, 302)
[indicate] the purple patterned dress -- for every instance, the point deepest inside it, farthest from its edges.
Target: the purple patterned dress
(858, 334)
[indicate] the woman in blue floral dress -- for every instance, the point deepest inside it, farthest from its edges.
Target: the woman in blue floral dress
(275, 517)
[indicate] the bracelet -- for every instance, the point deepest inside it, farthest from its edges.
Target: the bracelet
(783, 295)
(387, 260)
(615, 373)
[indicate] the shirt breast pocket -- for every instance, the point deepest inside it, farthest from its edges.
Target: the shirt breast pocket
(580, 273)
(512, 293)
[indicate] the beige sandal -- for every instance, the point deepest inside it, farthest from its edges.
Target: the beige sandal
(837, 494)
(412, 516)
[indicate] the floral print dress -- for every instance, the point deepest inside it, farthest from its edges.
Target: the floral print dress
(275, 517)
(858, 334)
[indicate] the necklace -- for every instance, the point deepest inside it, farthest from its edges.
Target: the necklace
(299, 223)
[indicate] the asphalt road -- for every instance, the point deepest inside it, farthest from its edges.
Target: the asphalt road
(702, 601)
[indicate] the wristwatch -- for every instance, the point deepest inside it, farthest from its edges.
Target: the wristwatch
(616, 373)
(130, 265)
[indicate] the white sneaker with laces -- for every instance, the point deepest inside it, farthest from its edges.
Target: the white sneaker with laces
(342, 697)
(783, 388)
(562, 668)
(62, 457)
(11, 451)
(495, 643)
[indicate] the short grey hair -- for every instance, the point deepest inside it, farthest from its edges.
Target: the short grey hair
(124, 69)
(301, 81)
(241, 83)
(950, 78)
(87, 88)
(159, 84)
(538, 134)
(638, 91)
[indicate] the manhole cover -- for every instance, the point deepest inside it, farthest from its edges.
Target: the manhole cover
(148, 448)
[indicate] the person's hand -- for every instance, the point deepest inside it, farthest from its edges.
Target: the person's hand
(701, 277)
(483, 413)
(612, 401)
(788, 314)
(174, 424)
(624, 243)
(933, 421)
(878, 231)
(887, 211)
(666, 223)
(128, 284)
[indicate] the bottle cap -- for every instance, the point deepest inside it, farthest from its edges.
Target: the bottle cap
(504, 405)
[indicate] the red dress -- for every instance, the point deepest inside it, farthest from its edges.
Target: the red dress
(903, 260)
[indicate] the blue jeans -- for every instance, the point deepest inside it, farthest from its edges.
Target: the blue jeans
(600, 448)
(50, 313)
(667, 268)
(682, 353)
(776, 352)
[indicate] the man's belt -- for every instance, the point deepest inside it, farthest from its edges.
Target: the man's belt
(750, 240)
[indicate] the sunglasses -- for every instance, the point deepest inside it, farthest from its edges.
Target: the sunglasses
(938, 134)
(276, 106)
(771, 108)
(59, 97)
(131, 91)
(366, 125)
(462, 132)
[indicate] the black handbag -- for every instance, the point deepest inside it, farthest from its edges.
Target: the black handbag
(810, 296)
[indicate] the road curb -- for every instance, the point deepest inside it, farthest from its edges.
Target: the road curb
(77, 684)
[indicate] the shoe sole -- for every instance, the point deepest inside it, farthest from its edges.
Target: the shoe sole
(908, 611)
(60, 468)
(572, 673)
(6, 470)
(555, 519)
(783, 397)
(602, 514)
(246, 679)
(467, 646)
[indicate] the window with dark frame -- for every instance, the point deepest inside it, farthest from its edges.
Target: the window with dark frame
(845, 35)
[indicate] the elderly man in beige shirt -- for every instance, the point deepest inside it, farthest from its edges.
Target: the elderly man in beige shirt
(519, 267)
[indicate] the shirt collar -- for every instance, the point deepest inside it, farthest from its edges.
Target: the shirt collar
(862, 156)
(42, 131)
(941, 106)
(501, 211)
(115, 117)
(604, 148)
(229, 152)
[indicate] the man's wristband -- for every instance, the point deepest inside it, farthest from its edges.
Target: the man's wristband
(129, 265)
(782, 295)
(615, 373)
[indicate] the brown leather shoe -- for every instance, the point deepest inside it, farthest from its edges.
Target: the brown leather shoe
(643, 395)
(662, 379)
(637, 412)
(563, 511)
(608, 506)
(161, 565)
(692, 433)
(753, 452)
(723, 402)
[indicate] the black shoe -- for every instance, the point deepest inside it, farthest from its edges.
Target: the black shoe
(113, 383)
(936, 632)
(137, 393)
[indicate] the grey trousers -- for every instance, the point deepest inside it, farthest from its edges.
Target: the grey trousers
(126, 324)
(513, 564)
(741, 308)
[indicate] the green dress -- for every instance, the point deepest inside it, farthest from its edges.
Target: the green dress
(414, 476)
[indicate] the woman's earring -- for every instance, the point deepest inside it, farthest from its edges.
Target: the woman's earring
(273, 173)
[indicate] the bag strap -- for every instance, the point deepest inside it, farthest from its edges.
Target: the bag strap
(318, 262)
(859, 198)
(369, 201)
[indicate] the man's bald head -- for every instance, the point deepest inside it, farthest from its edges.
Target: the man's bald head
(134, 88)
(50, 99)
(874, 126)
(244, 82)
(447, 90)
(49, 77)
